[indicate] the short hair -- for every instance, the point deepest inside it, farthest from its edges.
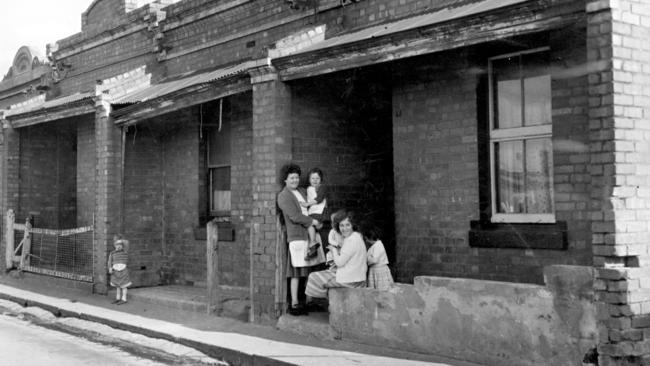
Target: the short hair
(341, 215)
(121, 239)
(370, 231)
(317, 171)
(288, 169)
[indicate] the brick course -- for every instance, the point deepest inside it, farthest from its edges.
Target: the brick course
(437, 165)
(618, 131)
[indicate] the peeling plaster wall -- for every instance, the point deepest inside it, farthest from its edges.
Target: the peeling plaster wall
(493, 323)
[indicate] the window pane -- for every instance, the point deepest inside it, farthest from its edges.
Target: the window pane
(537, 99)
(539, 198)
(509, 104)
(507, 93)
(220, 188)
(219, 144)
(510, 177)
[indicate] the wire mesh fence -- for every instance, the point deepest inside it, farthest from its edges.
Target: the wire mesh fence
(60, 253)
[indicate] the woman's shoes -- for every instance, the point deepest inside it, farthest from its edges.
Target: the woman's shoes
(297, 310)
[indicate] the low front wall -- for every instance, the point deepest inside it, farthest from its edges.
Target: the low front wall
(493, 323)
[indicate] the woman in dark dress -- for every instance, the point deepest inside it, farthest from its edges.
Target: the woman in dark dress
(296, 224)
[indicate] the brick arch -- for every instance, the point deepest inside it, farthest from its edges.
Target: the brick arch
(26, 59)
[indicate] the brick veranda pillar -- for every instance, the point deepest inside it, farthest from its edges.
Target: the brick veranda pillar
(619, 99)
(10, 179)
(108, 151)
(271, 150)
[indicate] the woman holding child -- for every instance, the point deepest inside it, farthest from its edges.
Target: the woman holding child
(296, 223)
(349, 258)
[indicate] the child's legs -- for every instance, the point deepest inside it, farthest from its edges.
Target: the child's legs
(118, 293)
(311, 230)
(124, 289)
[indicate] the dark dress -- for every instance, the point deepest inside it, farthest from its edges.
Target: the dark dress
(296, 224)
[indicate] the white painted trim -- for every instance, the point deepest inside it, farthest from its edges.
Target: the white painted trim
(515, 134)
(524, 218)
(521, 133)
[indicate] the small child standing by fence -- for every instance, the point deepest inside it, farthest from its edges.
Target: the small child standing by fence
(118, 260)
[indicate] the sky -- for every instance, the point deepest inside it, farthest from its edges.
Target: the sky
(36, 23)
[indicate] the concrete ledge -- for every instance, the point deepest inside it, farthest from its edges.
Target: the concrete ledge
(495, 323)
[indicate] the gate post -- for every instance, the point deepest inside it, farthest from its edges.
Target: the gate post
(27, 246)
(212, 256)
(9, 239)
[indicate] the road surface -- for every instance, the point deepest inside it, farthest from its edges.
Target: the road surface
(24, 343)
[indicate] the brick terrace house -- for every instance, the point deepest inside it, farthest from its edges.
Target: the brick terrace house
(489, 138)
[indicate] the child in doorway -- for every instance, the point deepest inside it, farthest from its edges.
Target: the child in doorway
(379, 276)
(117, 263)
(316, 205)
(335, 239)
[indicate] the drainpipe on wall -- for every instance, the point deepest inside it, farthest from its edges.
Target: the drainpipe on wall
(254, 237)
(123, 159)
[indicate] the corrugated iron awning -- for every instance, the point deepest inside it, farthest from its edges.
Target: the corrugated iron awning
(173, 95)
(50, 110)
(410, 23)
(168, 87)
(466, 25)
(48, 104)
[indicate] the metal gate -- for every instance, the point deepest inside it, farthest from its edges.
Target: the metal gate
(60, 253)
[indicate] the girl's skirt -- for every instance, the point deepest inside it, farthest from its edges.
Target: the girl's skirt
(319, 282)
(379, 277)
(120, 278)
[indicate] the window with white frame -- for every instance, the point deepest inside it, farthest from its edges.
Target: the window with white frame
(521, 151)
(219, 164)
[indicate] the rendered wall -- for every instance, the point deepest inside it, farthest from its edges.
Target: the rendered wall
(488, 322)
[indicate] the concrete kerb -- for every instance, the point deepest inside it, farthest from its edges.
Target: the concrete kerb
(134, 343)
(231, 356)
(234, 348)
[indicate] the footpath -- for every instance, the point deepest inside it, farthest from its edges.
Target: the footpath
(228, 340)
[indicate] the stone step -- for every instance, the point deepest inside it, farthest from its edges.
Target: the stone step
(232, 303)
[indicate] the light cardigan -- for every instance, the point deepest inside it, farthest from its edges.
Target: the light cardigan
(351, 261)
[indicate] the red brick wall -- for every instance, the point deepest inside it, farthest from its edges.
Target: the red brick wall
(620, 171)
(86, 164)
(143, 201)
(180, 144)
(255, 14)
(48, 175)
(103, 62)
(168, 151)
(234, 260)
(337, 128)
(104, 14)
(437, 165)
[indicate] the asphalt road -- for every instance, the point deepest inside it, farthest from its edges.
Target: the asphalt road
(24, 343)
